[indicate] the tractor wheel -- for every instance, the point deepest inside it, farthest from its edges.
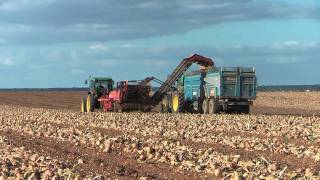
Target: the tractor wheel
(90, 103)
(83, 105)
(177, 102)
(213, 106)
(205, 106)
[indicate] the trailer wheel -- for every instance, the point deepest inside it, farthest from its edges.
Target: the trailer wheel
(213, 106)
(245, 109)
(188, 107)
(83, 105)
(205, 106)
(90, 103)
(177, 102)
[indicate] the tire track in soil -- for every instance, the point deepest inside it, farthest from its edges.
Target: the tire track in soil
(108, 164)
(292, 162)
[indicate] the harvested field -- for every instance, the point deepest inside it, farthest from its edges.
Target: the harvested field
(295, 103)
(275, 103)
(42, 135)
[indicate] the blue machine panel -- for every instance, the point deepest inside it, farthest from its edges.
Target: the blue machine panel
(222, 82)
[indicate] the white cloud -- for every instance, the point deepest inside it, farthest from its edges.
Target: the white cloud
(99, 47)
(286, 44)
(147, 4)
(291, 43)
(7, 62)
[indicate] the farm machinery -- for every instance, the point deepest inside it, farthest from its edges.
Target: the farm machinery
(98, 86)
(137, 95)
(213, 90)
(128, 96)
(209, 90)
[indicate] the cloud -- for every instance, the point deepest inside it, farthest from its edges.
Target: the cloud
(291, 43)
(286, 44)
(7, 62)
(56, 21)
(138, 62)
(127, 45)
(99, 47)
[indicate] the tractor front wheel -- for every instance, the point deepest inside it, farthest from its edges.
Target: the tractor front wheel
(83, 105)
(90, 103)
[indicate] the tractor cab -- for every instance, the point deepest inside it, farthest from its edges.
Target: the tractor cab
(98, 86)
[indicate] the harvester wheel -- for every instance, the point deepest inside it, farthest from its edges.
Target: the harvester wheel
(90, 103)
(213, 106)
(83, 105)
(165, 105)
(114, 109)
(117, 107)
(205, 106)
(177, 102)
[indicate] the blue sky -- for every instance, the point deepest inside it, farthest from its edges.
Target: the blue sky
(59, 43)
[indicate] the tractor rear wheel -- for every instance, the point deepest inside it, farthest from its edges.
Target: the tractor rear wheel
(205, 106)
(177, 102)
(213, 106)
(83, 105)
(90, 103)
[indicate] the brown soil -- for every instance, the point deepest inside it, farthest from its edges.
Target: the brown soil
(70, 100)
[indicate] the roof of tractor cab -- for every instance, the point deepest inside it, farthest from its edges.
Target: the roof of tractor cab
(101, 79)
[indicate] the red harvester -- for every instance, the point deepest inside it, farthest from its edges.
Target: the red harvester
(128, 96)
(136, 95)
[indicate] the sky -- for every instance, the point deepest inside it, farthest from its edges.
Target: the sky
(59, 43)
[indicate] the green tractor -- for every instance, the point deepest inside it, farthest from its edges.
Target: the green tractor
(98, 86)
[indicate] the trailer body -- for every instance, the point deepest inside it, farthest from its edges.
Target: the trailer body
(231, 88)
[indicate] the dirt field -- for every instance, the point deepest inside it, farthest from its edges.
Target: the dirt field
(276, 103)
(43, 135)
